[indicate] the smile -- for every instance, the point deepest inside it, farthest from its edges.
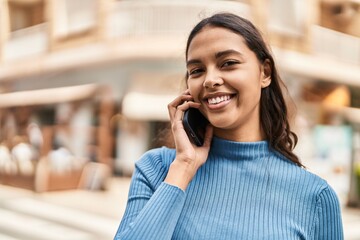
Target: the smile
(219, 99)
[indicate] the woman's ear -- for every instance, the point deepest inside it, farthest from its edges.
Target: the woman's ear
(266, 74)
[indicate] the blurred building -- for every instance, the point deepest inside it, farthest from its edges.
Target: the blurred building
(97, 75)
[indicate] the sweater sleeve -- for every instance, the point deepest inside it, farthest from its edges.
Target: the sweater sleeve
(328, 222)
(152, 211)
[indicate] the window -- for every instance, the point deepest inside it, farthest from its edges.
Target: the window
(74, 17)
(24, 14)
(287, 17)
(342, 16)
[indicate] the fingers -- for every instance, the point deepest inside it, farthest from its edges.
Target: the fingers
(179, 113)
(176, 102)
(177, 107)
(186, 105)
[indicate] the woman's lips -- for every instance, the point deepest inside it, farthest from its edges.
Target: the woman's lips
(218, 102)
(218, 99)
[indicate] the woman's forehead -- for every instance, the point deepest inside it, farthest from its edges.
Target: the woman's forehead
(216, 39)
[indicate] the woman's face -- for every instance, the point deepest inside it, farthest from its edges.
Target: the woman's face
(226, 78)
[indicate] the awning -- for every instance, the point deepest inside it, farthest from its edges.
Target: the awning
(47, 96)
(146, 106)
(317, 67)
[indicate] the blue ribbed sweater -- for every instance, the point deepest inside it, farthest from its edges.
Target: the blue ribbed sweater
(243, 191)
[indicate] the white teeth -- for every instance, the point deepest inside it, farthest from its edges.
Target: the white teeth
(217, 100)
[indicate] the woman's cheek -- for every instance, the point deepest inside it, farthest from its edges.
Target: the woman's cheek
(195, 90)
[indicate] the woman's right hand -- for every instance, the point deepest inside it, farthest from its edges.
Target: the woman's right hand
(189, 157)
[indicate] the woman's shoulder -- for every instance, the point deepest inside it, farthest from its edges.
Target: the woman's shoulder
(156, 158)
(316, 183)
(300, 175)
(318, 190)
(153, 165)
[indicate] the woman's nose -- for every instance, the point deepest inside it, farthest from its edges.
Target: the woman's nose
(212, 80)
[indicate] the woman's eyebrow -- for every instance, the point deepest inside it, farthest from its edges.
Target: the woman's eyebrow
(217, 55)
(227, 52)
(192, 61)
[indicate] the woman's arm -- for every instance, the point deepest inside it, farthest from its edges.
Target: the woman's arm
(153, 214)
(328, 222)
(150, 213)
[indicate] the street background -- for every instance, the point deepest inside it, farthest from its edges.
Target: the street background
(84, 88)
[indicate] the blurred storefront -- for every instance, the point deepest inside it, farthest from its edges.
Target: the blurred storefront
(134, 52)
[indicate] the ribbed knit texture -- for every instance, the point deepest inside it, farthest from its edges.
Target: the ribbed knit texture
(243, 191)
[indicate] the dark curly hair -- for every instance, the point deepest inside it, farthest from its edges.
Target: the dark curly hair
(273, 108)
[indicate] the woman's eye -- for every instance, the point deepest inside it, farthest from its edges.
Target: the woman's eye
(195, 71)
(229, 63)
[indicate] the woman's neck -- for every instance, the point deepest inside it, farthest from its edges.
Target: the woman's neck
(240, 135)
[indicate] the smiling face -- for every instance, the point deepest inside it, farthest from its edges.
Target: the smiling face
(227, 78)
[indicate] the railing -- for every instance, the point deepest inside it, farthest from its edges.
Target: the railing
(336, 45)
(26, 42)
(133, 18)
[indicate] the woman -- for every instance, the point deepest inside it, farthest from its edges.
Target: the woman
(244, 182)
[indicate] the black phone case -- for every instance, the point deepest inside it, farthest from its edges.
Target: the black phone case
(194, 124)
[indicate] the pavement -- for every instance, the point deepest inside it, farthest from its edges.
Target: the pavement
(83, 214)
(62, 215)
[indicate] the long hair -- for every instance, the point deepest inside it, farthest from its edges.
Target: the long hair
(273, 109)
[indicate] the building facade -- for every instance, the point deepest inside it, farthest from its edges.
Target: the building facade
(132, 54)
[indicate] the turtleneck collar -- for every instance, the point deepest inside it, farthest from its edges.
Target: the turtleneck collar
(239, 150)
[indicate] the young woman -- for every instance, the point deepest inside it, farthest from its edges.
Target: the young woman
(244, 182)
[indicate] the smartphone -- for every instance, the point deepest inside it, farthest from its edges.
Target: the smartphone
(195, 124)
